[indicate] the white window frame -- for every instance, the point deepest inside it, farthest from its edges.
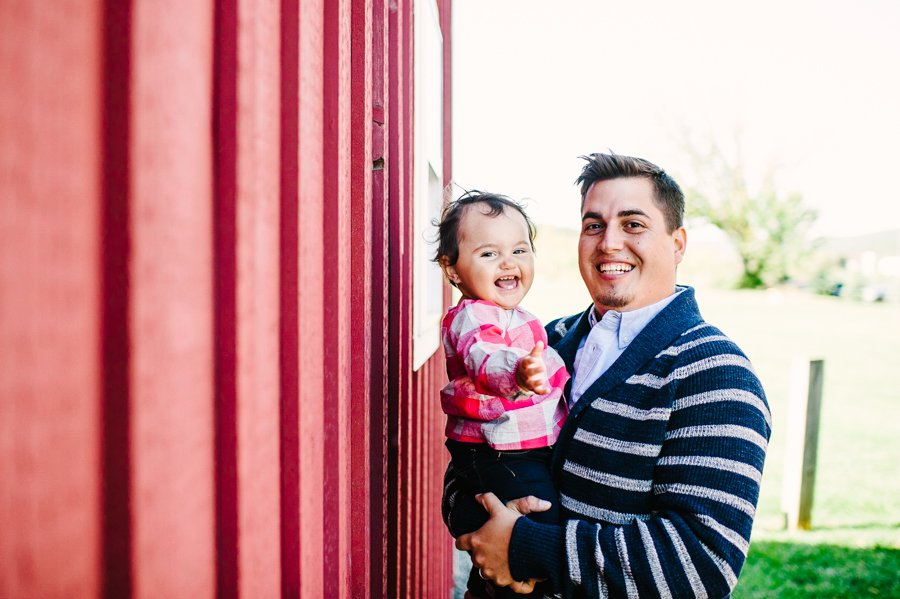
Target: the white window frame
(428, 177)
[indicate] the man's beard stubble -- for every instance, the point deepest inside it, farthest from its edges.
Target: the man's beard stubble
(612, 300)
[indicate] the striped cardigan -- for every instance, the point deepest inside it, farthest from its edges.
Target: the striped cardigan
(658, 468)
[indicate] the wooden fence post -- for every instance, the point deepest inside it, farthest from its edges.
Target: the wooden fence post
(804, 408)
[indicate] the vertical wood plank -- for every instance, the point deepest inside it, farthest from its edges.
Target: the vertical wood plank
(290, 295)
(361, 321)
(443, 543)
(337, 264)
(248, 164)
(258, 297)
(312, 401)
(117, 529)
(446, 15)
(225, 141)
(400, 364)
(424, 498)
(170, 304)
(380, 296)
(301, 299)
(804, 408)
(811, 444)
(418, 461)
(51, 158)
(434, 556)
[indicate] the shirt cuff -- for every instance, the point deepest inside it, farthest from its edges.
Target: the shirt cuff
(535, 550)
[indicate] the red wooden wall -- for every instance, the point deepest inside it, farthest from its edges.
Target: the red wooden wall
(206, 383)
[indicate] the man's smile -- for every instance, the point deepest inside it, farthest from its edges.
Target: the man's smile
(614, 268)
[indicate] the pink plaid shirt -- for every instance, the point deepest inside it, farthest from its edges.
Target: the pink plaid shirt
(484, 404)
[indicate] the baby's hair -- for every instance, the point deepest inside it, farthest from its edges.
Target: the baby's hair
(448, 227)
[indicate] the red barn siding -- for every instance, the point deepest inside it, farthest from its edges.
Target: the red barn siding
(303, 326)
(380, 308)
(51, 214)
(169, 299)
(302, 323)
(116, 483)
(206, 375)
(359, 222)
(248, 297)
(337, 264)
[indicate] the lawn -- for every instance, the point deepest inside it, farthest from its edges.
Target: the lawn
(801, 571)
(854, 547)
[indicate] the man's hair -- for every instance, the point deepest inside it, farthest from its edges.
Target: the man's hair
(668, 195)
(451, 217)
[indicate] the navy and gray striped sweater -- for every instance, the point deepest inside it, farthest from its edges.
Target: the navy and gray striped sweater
(658, 468)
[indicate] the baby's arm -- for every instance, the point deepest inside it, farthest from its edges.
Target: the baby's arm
(531, 374)
(478, 334)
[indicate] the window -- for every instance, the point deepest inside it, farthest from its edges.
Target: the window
(428, 285)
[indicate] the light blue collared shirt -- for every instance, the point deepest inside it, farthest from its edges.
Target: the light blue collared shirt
(608, 339)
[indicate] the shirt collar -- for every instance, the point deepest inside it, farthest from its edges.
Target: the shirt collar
(628, 325)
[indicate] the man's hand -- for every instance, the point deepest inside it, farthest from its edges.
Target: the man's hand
(531, 374)
(489, 545)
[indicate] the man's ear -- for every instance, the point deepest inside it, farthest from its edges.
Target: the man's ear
(679, 239)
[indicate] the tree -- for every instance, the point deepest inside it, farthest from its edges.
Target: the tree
(769, 229)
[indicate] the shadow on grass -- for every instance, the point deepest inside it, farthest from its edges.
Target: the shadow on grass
(795, 571)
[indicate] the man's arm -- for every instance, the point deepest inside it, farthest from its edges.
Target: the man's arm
(492, 540)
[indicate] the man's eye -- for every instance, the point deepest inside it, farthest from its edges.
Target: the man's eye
(634, 225)
(591, 227)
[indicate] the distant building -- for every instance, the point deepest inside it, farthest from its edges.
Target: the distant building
(869, 265)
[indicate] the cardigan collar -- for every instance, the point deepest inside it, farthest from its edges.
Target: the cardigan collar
(660, 333)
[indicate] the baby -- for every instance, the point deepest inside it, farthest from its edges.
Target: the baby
(504, 402)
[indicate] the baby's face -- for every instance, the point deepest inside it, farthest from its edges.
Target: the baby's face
(495, 259)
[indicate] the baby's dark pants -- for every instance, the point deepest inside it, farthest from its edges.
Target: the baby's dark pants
(508, 474)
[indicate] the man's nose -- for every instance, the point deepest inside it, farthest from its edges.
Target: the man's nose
(611, 240)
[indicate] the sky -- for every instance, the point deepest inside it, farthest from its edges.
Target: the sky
(811, 86)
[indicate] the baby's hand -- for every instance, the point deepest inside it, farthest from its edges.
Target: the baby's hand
(531, 373)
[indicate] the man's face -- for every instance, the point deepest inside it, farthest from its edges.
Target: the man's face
(626, 256)
(495, 261)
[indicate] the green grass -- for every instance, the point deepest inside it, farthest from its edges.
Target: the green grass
(857, 492)
(854, 547)
(852, 550)
(798, 571)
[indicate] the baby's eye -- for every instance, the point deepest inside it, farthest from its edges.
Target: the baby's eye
(489, 254)
(519, 251)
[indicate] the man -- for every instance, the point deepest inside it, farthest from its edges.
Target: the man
(659, 463)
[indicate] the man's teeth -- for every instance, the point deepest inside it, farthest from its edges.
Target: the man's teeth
(615, 268)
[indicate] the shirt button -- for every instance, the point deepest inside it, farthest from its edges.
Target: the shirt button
(625, 338)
